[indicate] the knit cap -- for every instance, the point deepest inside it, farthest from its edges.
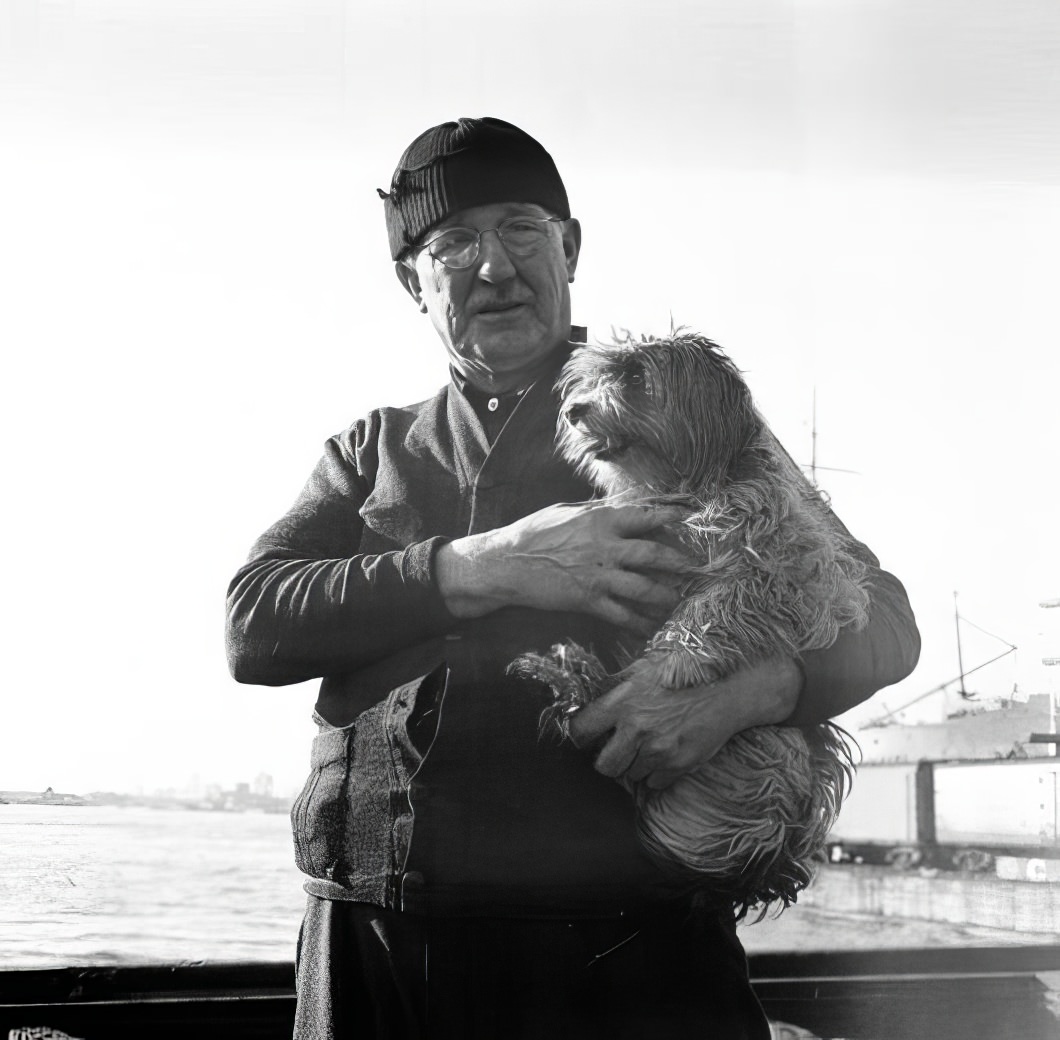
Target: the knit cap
(472, 162)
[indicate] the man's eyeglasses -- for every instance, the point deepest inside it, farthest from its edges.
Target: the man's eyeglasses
(458, 247)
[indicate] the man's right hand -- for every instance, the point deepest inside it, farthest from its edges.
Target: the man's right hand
(591, 558)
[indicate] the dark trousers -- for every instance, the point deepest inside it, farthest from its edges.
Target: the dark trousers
(366, 973)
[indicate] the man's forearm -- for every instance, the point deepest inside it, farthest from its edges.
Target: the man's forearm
(859, 663)
(295, 619)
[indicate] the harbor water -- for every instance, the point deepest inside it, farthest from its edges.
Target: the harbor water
(123, 885)
(116, 885)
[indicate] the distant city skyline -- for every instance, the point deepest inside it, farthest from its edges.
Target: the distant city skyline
(242, 796)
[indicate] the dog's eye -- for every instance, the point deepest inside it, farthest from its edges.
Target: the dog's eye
(636, 378)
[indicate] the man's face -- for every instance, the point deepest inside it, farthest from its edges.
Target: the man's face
(503, 315)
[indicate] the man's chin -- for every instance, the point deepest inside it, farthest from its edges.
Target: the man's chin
(500, 337)
(503, 351)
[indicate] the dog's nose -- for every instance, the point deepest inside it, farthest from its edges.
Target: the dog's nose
(575, 411)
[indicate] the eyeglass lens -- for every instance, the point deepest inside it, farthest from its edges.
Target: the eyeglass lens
(458, 247)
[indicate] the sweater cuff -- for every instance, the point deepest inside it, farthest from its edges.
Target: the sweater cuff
(418, 569)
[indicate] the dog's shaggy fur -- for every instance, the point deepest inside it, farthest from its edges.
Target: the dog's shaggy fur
(671, 419)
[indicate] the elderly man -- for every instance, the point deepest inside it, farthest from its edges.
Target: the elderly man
(466, 879)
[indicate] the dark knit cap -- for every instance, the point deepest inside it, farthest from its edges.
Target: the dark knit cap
(472, 162)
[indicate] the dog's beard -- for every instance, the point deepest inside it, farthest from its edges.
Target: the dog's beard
(616, 461)
(600, 457)
(635, 470)
(580, 442)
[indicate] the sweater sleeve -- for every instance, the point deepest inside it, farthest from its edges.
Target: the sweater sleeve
(861, 662)
(307, 603)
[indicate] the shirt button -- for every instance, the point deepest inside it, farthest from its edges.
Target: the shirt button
(493, 404)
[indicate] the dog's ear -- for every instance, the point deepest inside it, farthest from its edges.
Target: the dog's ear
(711, 389)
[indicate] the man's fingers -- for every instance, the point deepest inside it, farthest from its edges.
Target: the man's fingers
(639, 588)
(617, 755)
(644, 555)
(631, 618)
(641, 767)
(662, 779)
(640, 519)
(590, 723)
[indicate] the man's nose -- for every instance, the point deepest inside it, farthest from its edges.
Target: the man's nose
(494, 263)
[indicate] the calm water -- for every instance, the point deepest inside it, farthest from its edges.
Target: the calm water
(118, 886)
(113, 885)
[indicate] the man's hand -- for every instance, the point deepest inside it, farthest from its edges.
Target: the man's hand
(657, 735)
(590, 558)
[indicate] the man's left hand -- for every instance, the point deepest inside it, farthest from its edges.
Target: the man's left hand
(656, 735)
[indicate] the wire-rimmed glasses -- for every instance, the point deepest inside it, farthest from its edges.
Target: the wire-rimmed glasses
(458, 247)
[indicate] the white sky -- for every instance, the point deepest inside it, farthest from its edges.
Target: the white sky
(862, 197)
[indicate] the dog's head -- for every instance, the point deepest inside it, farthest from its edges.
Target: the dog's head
(670, 416)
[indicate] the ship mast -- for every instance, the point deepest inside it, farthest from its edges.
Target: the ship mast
(813, 467)
(960, 659)
(943, 686)
(1053, 694)
(813, 442)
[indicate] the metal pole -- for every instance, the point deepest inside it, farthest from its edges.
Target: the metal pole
(960, 660)
(1053, 694)
(813, 441)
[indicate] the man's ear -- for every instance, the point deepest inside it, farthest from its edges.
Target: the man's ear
(572, 245)
(411, 281)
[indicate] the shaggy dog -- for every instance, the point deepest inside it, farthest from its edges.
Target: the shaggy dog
(672, 419)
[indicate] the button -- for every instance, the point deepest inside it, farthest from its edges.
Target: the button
(493, 404)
